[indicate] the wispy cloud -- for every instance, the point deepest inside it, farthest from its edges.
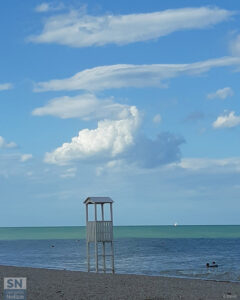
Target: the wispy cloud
(157, 119)
(5, 86)
(4, 144)
(227, 120)
(69, 173)
(120, 76)
(231, 164)
(25, 157)
(11, 164)
(112, 165)
(85, 106)
(235, 46)
(221, 93)
(48, 6)
(109, 139)
(80, 30)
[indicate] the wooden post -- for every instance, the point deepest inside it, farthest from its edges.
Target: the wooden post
(88, 256)
(111, 212)
(102, 212)
(103, 243)
(86, 213)
(96, 242)
(112, 250)
(88, 252)
(95, 209)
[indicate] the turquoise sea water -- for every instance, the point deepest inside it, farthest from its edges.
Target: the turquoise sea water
(78, 232)
(180, 251)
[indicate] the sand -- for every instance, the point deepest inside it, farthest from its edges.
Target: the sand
(44, 284)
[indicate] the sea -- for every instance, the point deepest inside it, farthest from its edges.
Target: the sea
(172, 251)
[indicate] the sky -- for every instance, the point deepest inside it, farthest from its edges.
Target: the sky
(138, 101)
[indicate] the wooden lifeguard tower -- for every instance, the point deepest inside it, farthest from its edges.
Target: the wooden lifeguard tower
(100, 231)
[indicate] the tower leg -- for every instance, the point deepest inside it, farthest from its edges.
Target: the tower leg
(96, 255)
(112, 250)
(104, 258)
(88, 256)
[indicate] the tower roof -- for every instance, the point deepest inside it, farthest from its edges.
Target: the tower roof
(98, 200)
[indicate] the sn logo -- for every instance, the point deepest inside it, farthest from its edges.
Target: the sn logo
(15, 283)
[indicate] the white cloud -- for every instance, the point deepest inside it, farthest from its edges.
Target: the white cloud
(25, 157)
(221, 93)
(123, 75)
(157, 118)
(80, 30)
(235, 46)
(231, 164)
(86, 107)
(46, 6)
(110, 138)
(5, 86)
(227, 120)
(4, 144)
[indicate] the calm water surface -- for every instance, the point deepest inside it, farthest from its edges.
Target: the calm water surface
(180, 251)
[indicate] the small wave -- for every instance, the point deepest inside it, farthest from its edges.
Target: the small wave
(200, 274)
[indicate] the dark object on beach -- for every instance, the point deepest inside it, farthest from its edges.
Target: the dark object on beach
(213, 265)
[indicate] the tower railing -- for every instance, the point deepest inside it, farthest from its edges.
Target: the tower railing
(101, 230)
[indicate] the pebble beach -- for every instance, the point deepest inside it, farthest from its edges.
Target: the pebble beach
(49, 284)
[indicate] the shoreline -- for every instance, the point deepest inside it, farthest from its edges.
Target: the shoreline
(134, 274)
(64, 284)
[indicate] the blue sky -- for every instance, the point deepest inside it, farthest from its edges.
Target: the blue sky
(139, 102)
